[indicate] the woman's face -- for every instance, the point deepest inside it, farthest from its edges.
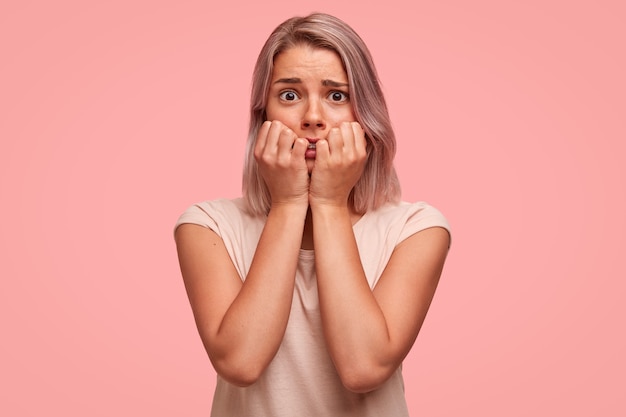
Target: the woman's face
(309, 93)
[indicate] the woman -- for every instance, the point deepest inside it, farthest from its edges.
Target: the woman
(309, 291)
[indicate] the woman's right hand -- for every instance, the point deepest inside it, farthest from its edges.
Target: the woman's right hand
(280, 156)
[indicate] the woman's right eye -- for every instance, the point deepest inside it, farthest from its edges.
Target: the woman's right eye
(288, 95)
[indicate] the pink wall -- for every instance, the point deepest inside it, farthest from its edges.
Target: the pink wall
(115, 117)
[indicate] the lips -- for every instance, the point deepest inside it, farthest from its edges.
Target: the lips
(312, 142)
(310, 151)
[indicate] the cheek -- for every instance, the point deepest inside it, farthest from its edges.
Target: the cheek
(284, 119)
(269, 113)
(345, 113)
(343, 116)
(282, 115)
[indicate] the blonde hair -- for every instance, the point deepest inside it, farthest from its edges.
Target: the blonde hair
(379, 183)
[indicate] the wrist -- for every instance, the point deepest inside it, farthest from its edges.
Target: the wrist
(332, 210)
(292, 209)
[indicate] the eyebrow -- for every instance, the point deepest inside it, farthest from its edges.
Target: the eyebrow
(331, 83)
(325, 83)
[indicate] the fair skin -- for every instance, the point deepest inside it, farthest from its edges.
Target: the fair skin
(367, 332)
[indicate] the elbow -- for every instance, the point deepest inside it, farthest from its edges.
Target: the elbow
(241, 380)
(364, 379)
(239, 373)
(236, 366)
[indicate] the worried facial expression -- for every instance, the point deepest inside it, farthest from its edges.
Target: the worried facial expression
(309, 93)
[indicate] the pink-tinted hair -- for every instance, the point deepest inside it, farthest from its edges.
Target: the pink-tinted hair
(379, 183)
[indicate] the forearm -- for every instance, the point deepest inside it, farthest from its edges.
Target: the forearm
(254, 324)
(354, 324)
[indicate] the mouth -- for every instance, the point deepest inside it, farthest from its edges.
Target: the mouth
(310, 151)
(312, 142)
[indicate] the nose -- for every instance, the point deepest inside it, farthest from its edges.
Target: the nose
(313, 117)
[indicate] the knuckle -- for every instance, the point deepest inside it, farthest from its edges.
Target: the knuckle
(265, 158)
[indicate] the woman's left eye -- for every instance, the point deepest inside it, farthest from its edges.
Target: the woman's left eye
(338, 96)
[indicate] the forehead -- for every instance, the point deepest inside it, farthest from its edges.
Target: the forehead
(306, 62)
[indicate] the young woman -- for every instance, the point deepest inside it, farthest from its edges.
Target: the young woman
(309, 291)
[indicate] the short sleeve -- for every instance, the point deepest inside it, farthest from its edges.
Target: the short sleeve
(239, 231)
(196, 214)
(422, 216)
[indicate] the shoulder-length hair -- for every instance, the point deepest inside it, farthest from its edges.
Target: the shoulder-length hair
(379, 183)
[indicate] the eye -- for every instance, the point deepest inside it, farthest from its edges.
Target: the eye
(288, 95)
(338, 96)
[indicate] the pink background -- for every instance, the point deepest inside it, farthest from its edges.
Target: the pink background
(114, 117)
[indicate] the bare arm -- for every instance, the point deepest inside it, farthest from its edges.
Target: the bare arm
(242, 324)
(369, 333)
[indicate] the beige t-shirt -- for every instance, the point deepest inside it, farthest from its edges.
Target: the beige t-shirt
(301, 379)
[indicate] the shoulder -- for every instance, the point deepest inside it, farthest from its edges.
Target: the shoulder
(215, 214)
(407, 218)
(416, 212)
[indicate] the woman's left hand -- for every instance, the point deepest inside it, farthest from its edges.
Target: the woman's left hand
(339, 163)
